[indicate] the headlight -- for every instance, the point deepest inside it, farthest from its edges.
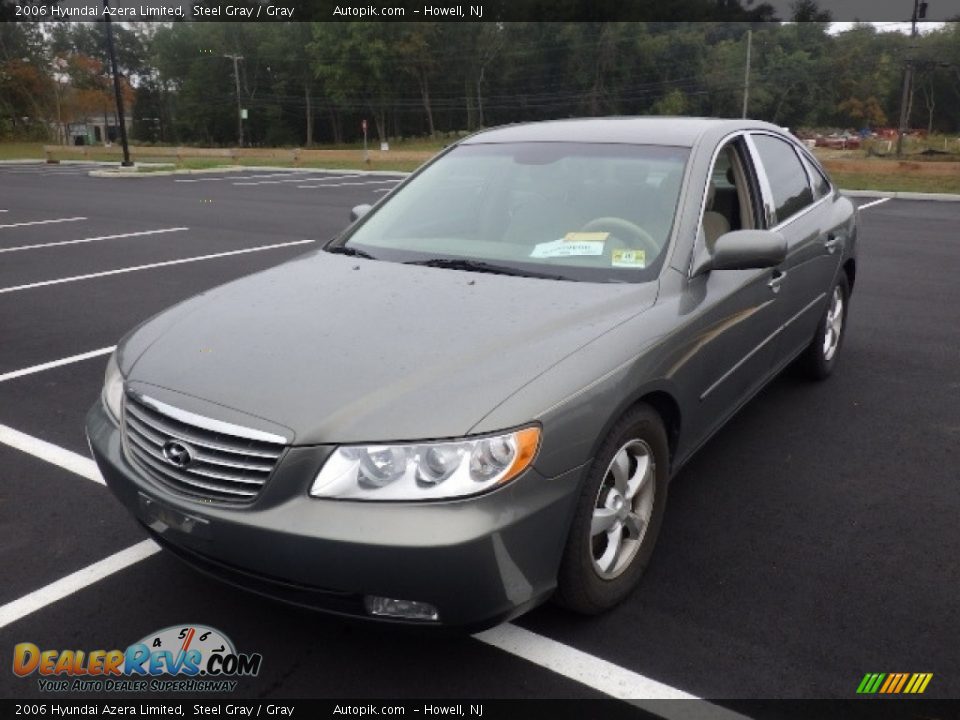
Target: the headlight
(113, 388)
(426, 471)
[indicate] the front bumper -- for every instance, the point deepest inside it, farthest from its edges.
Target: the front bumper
(480, 561)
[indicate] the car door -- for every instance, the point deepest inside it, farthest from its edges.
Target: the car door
(738, 312)
(801, 207)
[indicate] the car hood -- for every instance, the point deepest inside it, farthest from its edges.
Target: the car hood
(339, 349)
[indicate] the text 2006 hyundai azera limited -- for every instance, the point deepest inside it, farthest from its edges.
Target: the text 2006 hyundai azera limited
(474, 398)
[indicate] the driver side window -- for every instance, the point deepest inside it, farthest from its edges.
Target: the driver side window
(728, 204)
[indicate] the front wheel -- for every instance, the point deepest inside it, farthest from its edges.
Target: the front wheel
(820, 357)
(618, 516)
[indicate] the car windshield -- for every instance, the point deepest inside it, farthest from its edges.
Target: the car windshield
(573, 211)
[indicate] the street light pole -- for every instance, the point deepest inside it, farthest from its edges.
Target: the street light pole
(236, 76)
(746, 73)
(116, 88)
(919, 11)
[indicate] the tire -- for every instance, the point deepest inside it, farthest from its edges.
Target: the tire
(593, 575)
(820, 357)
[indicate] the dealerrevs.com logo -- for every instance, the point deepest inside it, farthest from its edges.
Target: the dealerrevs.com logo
(199, 659)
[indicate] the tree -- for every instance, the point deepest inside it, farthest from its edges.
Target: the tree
(356, 63)
(27, 95)
(416, 51)
(673, 103)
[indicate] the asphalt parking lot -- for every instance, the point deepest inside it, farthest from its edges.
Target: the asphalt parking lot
(813, 540)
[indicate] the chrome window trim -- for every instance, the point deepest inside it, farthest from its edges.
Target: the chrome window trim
(798, 215)
(766, 192)
(816, 171)
(815, 164)
(697, 244)
(207, 423)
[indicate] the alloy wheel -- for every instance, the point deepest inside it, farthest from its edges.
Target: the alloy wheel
(834, 325)
(622, 509)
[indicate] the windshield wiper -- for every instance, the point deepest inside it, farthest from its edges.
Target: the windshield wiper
(483, 267)
(351, 251)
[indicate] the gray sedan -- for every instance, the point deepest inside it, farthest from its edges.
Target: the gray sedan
(475, 397)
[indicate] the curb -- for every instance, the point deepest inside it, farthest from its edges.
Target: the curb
(902, 195)
(118, 172)
(280, 168)
(125, 173)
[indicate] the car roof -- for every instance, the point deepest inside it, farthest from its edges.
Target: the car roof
(655, 130)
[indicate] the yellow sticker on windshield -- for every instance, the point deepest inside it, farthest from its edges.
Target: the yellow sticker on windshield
(586, 236)
(629, 258)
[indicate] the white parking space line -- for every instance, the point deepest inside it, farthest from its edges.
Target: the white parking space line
(93, 239)
(42, 222)
(382, 190)
(56, 363)
(54, 454)
(871, 204)
(298, 179)
(600, 674)
(49, 594)
(348, 184)
(149, 266)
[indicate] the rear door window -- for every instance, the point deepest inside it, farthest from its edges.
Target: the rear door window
(821, 186)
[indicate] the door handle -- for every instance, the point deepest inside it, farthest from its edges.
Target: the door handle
(833, 241)
(776, 280)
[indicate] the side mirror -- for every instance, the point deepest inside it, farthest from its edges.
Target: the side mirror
(744, 250)
(359, 211)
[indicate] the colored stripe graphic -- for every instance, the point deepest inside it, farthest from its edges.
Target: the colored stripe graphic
(894, 683)
(903, 680)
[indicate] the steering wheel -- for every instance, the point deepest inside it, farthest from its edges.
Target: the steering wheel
(640, 237)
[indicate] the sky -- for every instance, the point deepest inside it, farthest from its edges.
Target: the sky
(884, 11)
(903, 27)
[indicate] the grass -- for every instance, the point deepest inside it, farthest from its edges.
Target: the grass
(21, 151)
(337, 164)
(946, 148)
(896, 183)
(408, 144)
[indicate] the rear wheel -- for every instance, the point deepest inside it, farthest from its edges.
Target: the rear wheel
(618, 516)
(820, 357)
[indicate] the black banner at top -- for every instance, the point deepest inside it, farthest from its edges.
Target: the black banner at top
(477, 10)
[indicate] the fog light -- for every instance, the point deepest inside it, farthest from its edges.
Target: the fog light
(405, 609)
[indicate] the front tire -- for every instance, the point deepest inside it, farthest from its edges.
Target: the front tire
(618, 516)
(820, 357)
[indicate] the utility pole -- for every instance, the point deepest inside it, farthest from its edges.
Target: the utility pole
(746, 73)
(116, 89)
(236, 76)
(919, 12)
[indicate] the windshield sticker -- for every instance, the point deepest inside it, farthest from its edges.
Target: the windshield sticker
(629, 258)
(586, 236)
(566, 248)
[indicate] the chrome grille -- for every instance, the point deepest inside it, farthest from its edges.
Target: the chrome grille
(197, 456)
